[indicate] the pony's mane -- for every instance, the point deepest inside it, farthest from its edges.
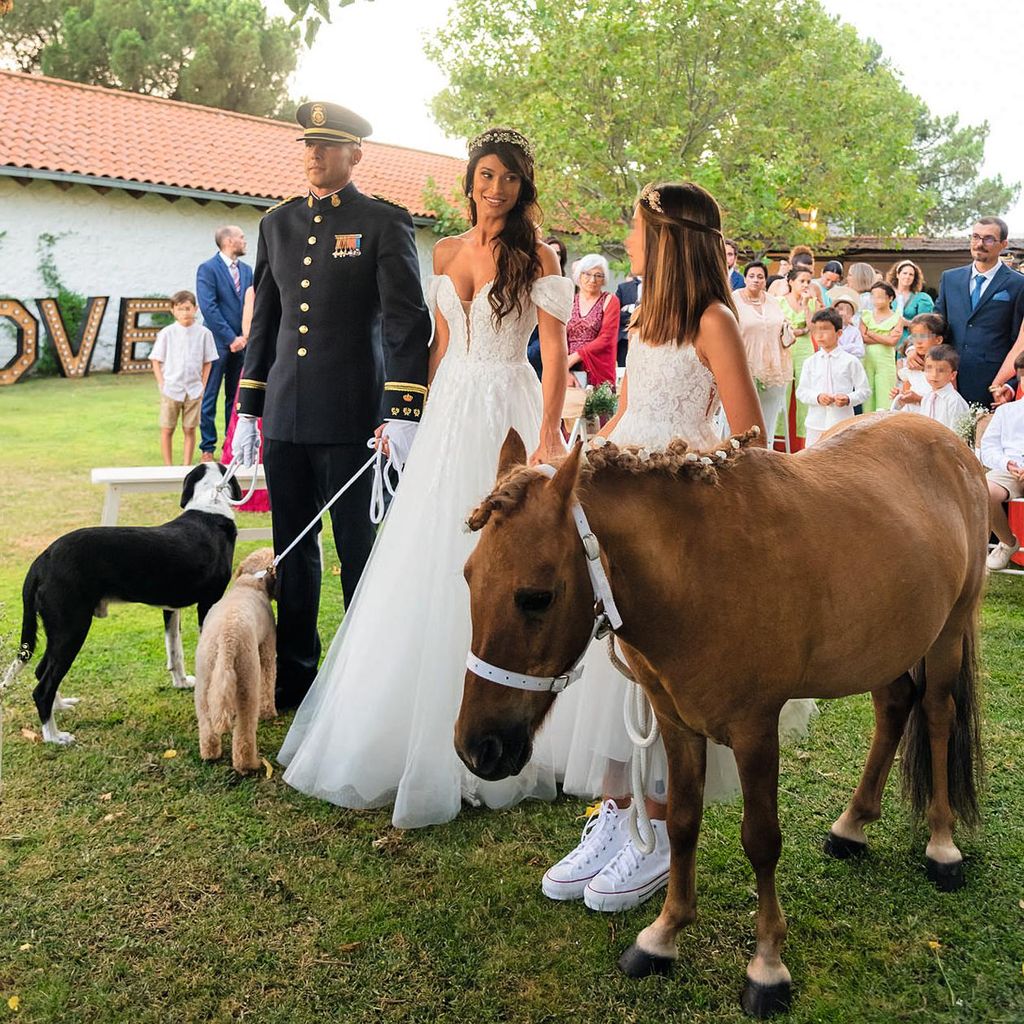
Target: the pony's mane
(675, 459)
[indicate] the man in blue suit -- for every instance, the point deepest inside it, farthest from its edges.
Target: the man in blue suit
(628, 293)
(984, 306)
(220, 286)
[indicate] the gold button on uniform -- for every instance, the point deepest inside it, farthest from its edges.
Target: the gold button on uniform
(303, 329)
(304, 282)
(311, 239)
(302, 351)
(317, 219)
(304, 307)
(308, 260)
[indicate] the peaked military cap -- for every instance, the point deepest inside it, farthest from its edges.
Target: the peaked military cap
(327, 122)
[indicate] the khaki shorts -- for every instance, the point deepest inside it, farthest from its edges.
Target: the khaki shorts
(188, 410)
(1006, 480)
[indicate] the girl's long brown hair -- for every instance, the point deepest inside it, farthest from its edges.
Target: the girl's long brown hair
(516, 259)
(684, 262)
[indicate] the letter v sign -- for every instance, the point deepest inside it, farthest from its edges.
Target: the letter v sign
(74, 361)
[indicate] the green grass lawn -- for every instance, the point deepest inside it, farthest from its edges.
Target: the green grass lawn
(140, 887)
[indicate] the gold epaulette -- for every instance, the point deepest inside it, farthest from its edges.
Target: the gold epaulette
(390, 202)
(284, 202)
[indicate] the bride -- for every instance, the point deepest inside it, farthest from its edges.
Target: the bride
(376, 727)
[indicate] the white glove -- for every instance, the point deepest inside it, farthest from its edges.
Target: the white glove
(246, 441)
(400, 435)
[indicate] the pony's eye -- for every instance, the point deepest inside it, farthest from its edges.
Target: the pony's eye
(529, 600)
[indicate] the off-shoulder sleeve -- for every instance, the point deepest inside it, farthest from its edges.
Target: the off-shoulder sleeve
(553, 295)
(433, 287)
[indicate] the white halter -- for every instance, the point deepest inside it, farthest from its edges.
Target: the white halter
(606, 620)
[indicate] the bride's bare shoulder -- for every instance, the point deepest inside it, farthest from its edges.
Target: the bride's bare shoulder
(445, 250)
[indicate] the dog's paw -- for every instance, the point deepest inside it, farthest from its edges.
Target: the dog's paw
(62, 739)
(65, 703)
(184, 683)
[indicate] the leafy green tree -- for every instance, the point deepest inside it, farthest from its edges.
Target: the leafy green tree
(219, 53)
(773, 105)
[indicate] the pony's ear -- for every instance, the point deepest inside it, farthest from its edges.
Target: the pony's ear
(513, 453)
(564, 480)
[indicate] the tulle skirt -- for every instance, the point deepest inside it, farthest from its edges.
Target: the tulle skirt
(377, 726)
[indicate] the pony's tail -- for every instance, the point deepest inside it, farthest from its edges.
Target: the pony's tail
(29, 626)
(964, 756)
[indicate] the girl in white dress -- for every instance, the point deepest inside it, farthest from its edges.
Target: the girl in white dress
(377, 726)
(686, 357)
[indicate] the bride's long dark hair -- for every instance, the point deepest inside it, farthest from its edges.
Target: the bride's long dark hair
(516, 259)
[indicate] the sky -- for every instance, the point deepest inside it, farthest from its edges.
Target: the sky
(958, 57)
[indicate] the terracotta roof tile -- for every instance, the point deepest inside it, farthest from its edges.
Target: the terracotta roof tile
(53, 125)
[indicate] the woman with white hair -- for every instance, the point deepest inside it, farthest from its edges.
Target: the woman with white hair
(593, 327)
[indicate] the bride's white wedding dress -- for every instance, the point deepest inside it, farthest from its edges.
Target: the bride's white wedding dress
(671, 394)
(377, 725)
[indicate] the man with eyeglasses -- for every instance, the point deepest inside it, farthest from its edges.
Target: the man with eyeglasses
(983, 303)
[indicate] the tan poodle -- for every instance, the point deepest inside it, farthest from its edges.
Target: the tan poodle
(236, 664)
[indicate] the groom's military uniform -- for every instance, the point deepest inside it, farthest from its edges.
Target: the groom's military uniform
(338, 344)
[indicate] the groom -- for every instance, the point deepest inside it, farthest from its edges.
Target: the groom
(338, 343)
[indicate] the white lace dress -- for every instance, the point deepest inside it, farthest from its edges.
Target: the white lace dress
(671, 394)
(377, 726)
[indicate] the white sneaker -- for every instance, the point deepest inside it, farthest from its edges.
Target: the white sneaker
(632, 877)
(604, 835)
(999, 557)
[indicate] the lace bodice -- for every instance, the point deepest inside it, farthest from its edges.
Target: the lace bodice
(472, 334)
(671, 394)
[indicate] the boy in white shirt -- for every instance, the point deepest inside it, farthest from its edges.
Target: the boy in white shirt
(1002, 450)
(832, 381)
(181, 358)
(942, 402)
(927, 330)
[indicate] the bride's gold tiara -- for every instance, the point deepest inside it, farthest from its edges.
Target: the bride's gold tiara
(509, 135)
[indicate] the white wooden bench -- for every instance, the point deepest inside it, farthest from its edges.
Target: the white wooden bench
(120, 480)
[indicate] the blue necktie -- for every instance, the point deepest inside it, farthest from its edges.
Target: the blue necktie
(979, 281)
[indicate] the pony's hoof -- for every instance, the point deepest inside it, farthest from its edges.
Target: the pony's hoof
(946, 877)
(766, 1000)
(635, 963)
(843, 849)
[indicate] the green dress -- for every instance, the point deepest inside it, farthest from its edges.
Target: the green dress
(879, 361)
(802, 350)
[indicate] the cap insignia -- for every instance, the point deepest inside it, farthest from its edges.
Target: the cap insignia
(317, 115)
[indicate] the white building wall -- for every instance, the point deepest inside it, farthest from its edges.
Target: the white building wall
(115, 245)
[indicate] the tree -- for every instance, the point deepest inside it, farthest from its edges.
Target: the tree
(948, 160)
(773, 105)
(218, 53)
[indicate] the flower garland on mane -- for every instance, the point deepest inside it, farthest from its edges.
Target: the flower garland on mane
(675, 459)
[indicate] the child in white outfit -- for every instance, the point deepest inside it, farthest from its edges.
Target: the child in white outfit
(927, 330)
(832, 381)
(1002, 451)
(942, 402)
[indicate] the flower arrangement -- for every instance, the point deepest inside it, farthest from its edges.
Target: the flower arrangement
(601, 401)
(966, 426)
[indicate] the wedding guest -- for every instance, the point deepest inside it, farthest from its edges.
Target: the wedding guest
(735, 277)
(593, 327)
(798, 306)
(926, 331)
(942, 402)
(533, 347)
(880, 328)
(831, 275)
(860, 277)
(845, 303)
(767, 338)
(832, 381)
(1002, 451)
(911, 299)
(799, 256)
(780, 275)
(628, 293)
(984, 306)
(221, 283)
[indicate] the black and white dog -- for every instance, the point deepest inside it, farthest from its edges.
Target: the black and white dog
(184, 562)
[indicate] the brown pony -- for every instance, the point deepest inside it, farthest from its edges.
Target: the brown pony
(834, 541)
